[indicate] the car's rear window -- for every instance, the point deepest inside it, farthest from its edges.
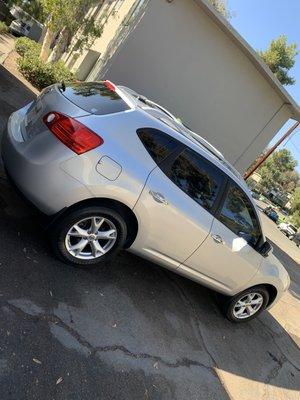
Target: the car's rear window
(94, 97)
(158, 144)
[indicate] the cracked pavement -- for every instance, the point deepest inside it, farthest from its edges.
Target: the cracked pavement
(131, 330)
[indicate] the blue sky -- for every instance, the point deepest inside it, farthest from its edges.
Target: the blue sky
(260, 21)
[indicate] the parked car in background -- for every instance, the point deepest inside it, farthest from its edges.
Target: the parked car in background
(288, 229)
(19, 28)
(272, 214)
(296, 239)
(115, 170)
(25, 25)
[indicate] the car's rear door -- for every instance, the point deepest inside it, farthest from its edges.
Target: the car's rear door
(175, 209)
(228, 259)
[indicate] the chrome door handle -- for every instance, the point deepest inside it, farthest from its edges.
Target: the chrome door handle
(217, 239)
(158, 197)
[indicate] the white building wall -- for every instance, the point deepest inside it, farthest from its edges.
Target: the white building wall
(180, 58)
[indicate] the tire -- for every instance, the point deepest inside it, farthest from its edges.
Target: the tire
(230, 307)
(64, 236)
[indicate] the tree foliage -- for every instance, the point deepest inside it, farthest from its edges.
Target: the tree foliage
(280, 57)
(296, 207)
(66, 18)
(32, 7)
(222, 7)
(278, 172)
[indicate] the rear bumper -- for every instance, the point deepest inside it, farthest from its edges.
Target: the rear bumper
(34, 167)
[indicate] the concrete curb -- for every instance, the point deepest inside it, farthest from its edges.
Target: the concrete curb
(4, 56)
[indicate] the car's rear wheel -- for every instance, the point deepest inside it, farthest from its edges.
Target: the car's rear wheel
(246, 305)
(89, 236)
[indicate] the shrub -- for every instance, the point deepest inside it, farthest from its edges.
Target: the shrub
(25, 46)
(42, 74)
(3, 28)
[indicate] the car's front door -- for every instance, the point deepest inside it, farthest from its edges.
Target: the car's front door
(228, 259)
(175, 208)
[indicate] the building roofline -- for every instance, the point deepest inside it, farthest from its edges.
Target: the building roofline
(252, 55)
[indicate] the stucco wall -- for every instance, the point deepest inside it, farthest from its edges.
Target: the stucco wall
(179, 57)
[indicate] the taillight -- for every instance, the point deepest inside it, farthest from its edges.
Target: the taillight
(111, 86)
(72, 133)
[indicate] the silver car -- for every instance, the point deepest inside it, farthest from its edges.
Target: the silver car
(115, 170)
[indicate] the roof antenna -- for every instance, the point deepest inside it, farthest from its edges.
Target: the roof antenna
(63, 86)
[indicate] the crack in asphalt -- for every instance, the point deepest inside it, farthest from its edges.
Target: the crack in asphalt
(275, 371)
(272, 334)
(184, 362)
(191, 306)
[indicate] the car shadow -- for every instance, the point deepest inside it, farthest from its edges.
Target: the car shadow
(181, 314)
(291, 266)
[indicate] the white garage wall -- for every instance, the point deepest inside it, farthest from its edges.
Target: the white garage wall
(179, 57)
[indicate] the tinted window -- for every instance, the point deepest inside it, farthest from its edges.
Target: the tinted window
(196, 177)
(158, 144)
(94, 97)
(239, 216)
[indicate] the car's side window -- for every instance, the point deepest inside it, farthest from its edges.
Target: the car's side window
(158, 144)
(238, 214)
(197, 177)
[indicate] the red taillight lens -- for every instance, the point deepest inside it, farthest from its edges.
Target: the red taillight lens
(111, 86)
(72, 133)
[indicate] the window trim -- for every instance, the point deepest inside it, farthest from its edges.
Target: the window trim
(229, 183)
(165, 167)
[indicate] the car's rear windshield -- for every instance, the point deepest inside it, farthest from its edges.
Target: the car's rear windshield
(94, 97)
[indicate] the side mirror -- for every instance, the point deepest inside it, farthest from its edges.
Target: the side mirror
(265, 249)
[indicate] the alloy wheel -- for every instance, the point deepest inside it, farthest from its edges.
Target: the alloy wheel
(91, 237)
(248, 305)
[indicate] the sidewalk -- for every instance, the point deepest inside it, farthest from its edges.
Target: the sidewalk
(6, 46)
(8, 58)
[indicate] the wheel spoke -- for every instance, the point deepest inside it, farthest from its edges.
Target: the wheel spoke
(240, 311)
(96, 223)
(78, 232)
(240, 303)
(111, 234)
(96, 248)
(78, 247)
(256, 302)
(249, 310)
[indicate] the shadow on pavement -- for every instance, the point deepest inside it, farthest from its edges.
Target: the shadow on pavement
(291, 266)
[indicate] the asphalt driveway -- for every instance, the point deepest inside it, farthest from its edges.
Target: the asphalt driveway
(132, 330)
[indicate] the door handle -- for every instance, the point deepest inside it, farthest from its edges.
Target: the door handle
(158, 197)
(217, 239)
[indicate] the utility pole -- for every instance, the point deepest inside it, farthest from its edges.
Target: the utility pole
(270, 151)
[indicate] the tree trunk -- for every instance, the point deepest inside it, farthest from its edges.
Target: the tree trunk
(60, 46)
(49, 36)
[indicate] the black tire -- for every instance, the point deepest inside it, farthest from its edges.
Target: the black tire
(228, 306)
(63, 225)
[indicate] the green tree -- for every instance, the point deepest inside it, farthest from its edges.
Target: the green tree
(222, 7)
(296, 207)
(65, 19)
(280, 57)
(33, 7)
(278, 172)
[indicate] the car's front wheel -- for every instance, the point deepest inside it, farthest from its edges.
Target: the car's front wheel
(89, 236)
(246, 305)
